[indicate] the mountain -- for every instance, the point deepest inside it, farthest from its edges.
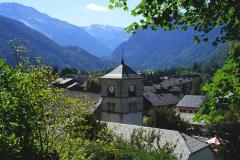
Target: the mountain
(149, 49)
(110, 35)
(38, 45)
(60, 31)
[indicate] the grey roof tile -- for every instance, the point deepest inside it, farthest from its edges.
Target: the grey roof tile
(194, 144)
(174, 82)
(191, 101)
(184, 144)
(122, 72)
(161, 99)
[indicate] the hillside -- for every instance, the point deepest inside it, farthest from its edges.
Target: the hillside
(109, 35)
(60, 31)
(149, 49)
(40, 45)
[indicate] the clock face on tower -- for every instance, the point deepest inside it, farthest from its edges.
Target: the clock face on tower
(131, 88)
(111, 89)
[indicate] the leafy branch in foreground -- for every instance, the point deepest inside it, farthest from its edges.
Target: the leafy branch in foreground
(222, 110)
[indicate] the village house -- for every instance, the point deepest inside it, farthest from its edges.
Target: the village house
(176, 86)
(187, 108)
(190, 103)
(70, 84)
(152, 99)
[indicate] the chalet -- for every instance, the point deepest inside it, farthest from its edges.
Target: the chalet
(152, 99)
(76, 86)
(63, 82)
(190, 103)
(175, 86)
(70, 83)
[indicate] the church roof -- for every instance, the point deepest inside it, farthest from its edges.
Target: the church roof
(184, 145)
(122, 72)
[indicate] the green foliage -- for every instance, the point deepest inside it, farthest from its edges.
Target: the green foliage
(93, 85)
(224, 90)
(204, 16)
(68, 72)
(141, 146)
(167, 119)
(24, 100)
(196, 86)
(33, 114)
(222, 110)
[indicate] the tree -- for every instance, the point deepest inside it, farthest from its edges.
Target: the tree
(93, 85)
(166, 119)
(222, 110)
(55, 70)
(196, 86)
(68, 71)
(24, 101)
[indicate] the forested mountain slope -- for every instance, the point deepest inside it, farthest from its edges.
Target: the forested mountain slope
(164, 49)
(39, 45)
(60, 31)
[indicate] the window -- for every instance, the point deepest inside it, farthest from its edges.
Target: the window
(130, 107)
(134, 106)
(111, 106)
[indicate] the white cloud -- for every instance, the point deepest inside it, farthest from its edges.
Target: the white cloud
(95, 7)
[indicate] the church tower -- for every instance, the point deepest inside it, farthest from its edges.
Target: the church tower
(122, 99)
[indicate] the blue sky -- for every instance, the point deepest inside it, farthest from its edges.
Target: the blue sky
(82, 12)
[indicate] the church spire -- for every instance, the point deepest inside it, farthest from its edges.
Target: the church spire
(122, 62)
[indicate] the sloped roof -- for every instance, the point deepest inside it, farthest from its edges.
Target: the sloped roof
(174, 82)
(191, 101)
(66, 80)
(161, 99)
(149, 89)
(184, 144)
(122, 72)
(194, 144)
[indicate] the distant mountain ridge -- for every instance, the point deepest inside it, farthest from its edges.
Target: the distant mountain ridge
(149, 49)
(60, 31)
(38, 45)
(110, 35)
